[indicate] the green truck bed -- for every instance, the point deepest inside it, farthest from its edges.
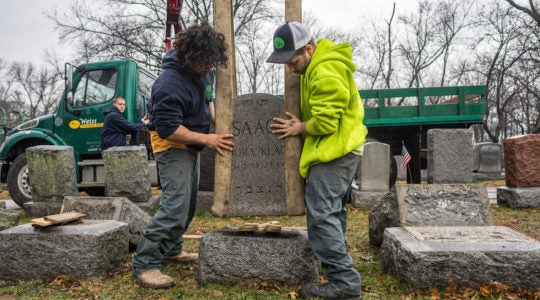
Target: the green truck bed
(463, 104)
(422, 109)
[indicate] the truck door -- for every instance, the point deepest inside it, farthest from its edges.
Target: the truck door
(83, 116)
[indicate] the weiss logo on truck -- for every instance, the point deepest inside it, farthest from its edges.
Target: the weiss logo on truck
(85, 123)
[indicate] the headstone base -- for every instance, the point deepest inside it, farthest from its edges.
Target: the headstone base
(90, 249)
(361, 199)
(488, 176)
(519, 197)
(429, 205)
(204, 201)
(8, 218)
(40, 209)
(149, 205)
(227, 256)
(435, 257)
(110, 208)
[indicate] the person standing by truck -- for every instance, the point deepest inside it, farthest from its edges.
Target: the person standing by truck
(116, 128)
(180, 119)
(331, 124)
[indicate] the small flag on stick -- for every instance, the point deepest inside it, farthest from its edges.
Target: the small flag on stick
(405, 157)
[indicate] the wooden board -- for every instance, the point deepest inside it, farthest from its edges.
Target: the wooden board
(293, 145)
(225, 93)
(57, 219)
(64, 217)
(41, 222)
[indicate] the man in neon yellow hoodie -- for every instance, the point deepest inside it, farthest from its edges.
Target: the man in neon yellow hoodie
(331, 124)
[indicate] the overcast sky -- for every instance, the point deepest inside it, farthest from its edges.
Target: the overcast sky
(25, 32)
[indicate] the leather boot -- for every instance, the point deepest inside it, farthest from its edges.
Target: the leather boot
(154, 279)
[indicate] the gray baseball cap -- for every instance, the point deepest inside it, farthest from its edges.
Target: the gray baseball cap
(288, 38)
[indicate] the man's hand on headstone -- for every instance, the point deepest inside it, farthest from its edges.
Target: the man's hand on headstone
(220, 142)
(288, 127)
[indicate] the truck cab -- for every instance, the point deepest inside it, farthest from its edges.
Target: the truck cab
(77, 122)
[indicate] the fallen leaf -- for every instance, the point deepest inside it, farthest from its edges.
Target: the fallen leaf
(293, 295)
(59, 280)
(484, 291)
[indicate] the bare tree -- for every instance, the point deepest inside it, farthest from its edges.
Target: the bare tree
(126, 29)
(252, 67)
(505, 33)
(422, 46)
(38, 89)
(6, 85)
(196, 10)
(533, 10)
(377, 55)
(453, 18)
(135, 28)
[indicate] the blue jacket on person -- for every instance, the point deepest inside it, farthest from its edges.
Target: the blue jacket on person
(116, 127)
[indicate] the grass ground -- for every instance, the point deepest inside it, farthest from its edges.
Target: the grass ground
(376, 283)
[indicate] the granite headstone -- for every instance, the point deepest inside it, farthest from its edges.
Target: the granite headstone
(258, 159)
(449, 156)
(522, 161)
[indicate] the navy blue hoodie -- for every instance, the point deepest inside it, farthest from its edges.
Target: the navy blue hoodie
(116, 127)
(180, 97)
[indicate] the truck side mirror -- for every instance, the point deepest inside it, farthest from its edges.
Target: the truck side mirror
(68, 76)
(69, 97)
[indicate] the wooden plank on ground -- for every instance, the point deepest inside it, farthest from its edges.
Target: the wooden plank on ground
(192, 236)
(199, 236)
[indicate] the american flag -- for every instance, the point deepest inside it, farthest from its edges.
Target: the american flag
(405, 157)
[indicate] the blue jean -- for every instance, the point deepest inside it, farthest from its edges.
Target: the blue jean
(179, 177)
(327, 187)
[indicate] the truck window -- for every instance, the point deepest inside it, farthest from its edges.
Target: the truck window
(95, 87)
(144, 89)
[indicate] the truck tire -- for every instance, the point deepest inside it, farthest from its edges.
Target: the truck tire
(18, 181)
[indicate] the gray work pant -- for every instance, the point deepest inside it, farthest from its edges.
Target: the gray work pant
(327, 188)
(179, 177)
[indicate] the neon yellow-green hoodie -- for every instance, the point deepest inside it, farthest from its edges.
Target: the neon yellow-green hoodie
(331, 106)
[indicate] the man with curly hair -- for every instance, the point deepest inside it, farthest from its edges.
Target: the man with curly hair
(179, 111)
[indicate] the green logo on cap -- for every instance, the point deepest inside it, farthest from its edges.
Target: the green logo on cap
(279, 43)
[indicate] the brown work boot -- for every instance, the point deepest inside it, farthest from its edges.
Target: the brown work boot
(325, 291)
(182, 257)
(154, 279)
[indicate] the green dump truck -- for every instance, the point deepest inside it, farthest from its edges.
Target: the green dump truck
(77, 122)
(420, 110)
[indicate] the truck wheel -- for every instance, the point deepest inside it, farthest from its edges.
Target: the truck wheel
(18, 181)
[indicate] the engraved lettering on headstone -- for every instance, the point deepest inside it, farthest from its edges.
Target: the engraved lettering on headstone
(258, 158)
